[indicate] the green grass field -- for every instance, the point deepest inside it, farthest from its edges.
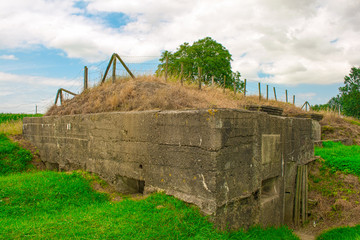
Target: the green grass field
(6, 117)
(340, 157)
(345, 159)
(348, 233)
(56, 205)
(12, 123)
(51, 205)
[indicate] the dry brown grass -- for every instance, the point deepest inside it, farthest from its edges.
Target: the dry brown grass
(12, 127)
(339, 127)
(152, 93)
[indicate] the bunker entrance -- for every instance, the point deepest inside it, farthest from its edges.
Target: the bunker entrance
(129, 185)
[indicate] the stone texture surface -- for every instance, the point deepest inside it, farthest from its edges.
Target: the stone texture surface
(237, 166)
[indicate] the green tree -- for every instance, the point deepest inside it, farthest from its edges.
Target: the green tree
(349, 97)
(212, 57)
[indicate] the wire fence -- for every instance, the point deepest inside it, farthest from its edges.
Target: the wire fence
(147, 65)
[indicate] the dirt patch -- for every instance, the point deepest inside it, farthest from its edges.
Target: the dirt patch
(36, 161)
(333, 200)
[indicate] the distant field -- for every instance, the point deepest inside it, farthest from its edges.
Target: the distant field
(11, 123)
(6, 117)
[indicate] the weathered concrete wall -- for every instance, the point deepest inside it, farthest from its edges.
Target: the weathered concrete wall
(237, 166)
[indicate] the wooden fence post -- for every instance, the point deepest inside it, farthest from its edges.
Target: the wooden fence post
(114, 71)
(293, 99)
(85, 78)
(212, 81)
(181, 73)
(199, 76)
(35, 109)
(245, 87)
(234, 84)
(107, 68)
(267, 92)
(61, 97)
(275, 93)
(124, 65)
(259, 91)
(224, 82)
(166, 68)
(286, 95)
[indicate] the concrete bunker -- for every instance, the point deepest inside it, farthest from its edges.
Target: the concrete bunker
(238, 166)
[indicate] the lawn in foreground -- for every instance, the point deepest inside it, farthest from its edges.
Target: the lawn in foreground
(55, 205)
(52, 205)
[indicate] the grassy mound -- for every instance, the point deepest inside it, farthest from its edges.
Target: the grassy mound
(12, 157)
(152, 93)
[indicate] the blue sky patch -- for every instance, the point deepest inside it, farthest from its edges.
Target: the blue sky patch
(334, 41)
(41, 61)
(261, 74)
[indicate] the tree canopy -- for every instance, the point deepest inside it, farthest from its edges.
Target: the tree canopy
(349, 97)
(212, 57)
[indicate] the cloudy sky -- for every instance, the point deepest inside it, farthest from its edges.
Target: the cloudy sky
(305, 46)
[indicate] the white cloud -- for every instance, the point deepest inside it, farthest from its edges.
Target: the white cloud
(288, 39)
(308, 96)
(8, 57)
(36, 80)
(5, 93)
